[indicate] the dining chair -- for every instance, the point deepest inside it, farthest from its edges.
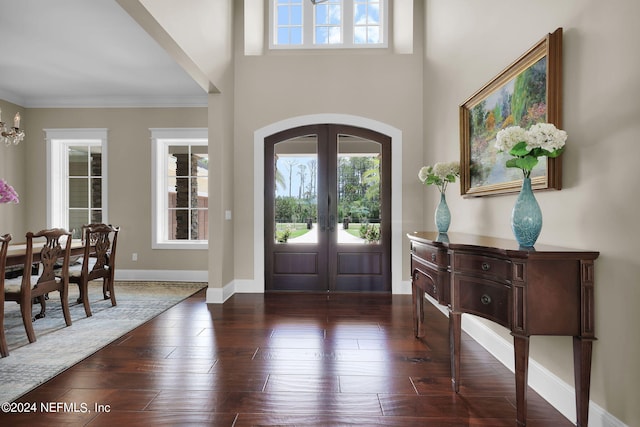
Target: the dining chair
(56, 246)
(98, 262)
(4, 244)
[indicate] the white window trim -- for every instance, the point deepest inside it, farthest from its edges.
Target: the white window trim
(308, 28)
(57, 167)
(161, 138)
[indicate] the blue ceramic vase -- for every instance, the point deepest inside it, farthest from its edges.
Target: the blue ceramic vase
(443, 215)
(526, 217)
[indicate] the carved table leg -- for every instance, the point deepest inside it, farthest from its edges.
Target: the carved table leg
(418, 310)
(582, 373)
(455, 333)
(521, 352)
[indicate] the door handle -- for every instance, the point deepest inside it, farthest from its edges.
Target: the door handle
(332, 217)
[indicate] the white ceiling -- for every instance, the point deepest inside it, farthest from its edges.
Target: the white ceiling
(85, 53)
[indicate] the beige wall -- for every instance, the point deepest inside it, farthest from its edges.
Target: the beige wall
(129, 175)
(13, 172)
(468, 43)
(372, 84)
(221, 150)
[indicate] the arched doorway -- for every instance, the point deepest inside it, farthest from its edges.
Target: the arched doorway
(398, 254)
(327, 209)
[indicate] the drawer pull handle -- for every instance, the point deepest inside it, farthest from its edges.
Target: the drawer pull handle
(486, 266)
(433, 257)
(485, 299)
(416, 276)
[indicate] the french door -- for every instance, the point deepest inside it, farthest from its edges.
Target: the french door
(328, 210)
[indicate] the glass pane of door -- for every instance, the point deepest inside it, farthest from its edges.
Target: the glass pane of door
(84, 189)
(296, 191)
(358, 190)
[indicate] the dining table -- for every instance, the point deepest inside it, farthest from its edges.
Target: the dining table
(17, 252)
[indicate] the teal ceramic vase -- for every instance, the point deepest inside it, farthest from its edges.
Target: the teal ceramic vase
(442, 238)
(443, 215)
(526, 217)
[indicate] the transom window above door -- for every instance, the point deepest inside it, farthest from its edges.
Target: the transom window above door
(304, 24)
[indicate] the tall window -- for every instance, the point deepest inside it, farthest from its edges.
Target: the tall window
(328, 23)
(77, 185)
(181, 188)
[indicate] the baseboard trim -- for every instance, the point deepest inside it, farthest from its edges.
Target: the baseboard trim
(549, 386)
(163, 275)
(248, 287)
(403, 288)
(220, 295)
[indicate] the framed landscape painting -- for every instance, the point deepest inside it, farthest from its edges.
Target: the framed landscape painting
(527, 92)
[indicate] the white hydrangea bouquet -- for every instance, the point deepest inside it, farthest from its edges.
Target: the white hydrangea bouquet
(439, 174)
(542, 139)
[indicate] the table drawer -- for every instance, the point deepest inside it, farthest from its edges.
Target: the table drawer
(427, 281)
(430, 254)
(484, 266)
(484, 298)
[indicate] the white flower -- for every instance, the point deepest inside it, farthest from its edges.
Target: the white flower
(546, 136)
(423, 173)
(439, 174)
(507, 138)
(440, 170)
(454, 168)
(443, 170)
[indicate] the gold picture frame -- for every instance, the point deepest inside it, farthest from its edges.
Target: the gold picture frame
(528, 91)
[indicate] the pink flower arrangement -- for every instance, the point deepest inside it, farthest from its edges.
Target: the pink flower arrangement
(7, 193)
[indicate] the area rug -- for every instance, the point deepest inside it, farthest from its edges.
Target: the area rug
(58, 347)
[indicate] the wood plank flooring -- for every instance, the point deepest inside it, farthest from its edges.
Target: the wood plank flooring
(284, 359)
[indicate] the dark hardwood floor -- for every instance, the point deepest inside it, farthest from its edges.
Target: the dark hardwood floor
(285, 359)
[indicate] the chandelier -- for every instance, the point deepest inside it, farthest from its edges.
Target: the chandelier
(11, 135)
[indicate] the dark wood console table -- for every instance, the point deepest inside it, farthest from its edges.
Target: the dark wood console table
(543, 291)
